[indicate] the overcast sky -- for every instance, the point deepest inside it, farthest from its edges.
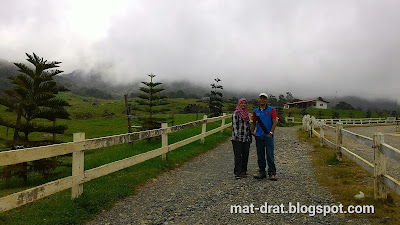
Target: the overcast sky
(310, 48)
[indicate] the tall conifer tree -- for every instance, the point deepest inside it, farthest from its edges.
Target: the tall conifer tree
(215, 103)
(33, 97)
(151, 104)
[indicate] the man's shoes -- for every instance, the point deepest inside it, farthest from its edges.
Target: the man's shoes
(272, 177)
(237, 177)
(260, 176)
(243, 175)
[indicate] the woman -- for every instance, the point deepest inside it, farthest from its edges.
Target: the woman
(241, 138)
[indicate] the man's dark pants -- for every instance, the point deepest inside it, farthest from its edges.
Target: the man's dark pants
(241, 152)
(266, 145)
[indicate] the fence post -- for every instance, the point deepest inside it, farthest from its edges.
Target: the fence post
(128, 114)
(380, 191)
(203, 129)
(339, 141)
(78, 167)
(321, 133)
(164, 140)
(307, 123)
(312, 126)
(223, 122)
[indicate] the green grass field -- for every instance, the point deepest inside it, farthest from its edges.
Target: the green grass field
(86, 116)
(102, 192)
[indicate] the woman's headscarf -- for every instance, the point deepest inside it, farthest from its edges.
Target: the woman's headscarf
(244, 113)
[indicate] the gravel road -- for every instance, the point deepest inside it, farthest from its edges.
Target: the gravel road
(203, 190)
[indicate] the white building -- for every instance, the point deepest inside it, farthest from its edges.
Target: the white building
(312, 103)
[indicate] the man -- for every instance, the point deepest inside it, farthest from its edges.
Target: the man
(264, 118)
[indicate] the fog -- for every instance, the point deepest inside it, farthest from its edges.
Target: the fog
(310, 48)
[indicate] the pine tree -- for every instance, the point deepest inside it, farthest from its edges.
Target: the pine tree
(289, 97)
(272, 100)
(33, 97)
(150, 104)
(282, 100)
(215, 103)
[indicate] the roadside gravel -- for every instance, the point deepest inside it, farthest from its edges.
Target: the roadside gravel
(202, 190)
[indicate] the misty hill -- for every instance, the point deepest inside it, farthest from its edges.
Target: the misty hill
(173, 89)
(92, 84)
(95, 80)
(8, 69)
(374, 105)
(187, 89)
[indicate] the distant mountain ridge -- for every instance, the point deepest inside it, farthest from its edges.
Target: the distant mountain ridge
(92, 84)
(95, 80)
(6, 69)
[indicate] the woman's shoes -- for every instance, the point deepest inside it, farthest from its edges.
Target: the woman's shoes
(272, 177)
(242, 175)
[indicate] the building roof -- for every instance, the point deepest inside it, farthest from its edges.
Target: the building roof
(305, 101)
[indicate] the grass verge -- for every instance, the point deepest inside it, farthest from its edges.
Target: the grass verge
(102, 192)
(346, 179)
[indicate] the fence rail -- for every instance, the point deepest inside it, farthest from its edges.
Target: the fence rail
(381, 150)
(363, 121)
(357, 137)
(77, 148)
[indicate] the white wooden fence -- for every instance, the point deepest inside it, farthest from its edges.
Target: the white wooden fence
(77, 148)
(363, 121)
(381, 150)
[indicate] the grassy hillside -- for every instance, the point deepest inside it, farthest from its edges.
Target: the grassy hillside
(92, 116)
(102, 192)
